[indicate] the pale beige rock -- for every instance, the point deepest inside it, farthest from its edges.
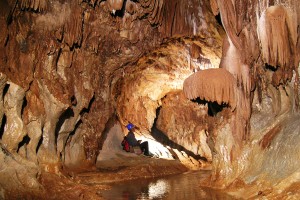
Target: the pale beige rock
(53, 108)
(73, 152)
(14, 130)
(34, 130)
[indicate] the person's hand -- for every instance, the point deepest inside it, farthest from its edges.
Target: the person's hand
(139, 141)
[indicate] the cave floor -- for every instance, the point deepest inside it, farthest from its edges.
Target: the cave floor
(88, 183)
(91, 183)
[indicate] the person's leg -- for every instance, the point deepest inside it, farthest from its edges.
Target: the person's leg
(145, 148)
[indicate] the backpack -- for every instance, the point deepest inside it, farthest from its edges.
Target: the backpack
(125, 144)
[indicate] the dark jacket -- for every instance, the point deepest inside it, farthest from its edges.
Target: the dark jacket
(131, 139)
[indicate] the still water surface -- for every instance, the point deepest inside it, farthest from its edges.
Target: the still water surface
(175, 187)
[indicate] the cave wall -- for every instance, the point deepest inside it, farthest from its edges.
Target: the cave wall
(57, 61)
(62, 63)
(154, 75)
(67, 67)
(260, 51)
(185, 125)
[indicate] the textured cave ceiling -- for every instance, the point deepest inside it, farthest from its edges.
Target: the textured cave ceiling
(68, 67)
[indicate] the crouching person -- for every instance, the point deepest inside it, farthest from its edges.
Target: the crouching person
(132, 141)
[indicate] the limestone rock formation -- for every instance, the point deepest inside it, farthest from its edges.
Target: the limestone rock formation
(68, 67)
(155, 75)
(212, 85)
(185, 126)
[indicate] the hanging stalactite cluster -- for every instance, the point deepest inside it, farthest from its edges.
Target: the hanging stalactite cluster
(36, 5)
(212, 85)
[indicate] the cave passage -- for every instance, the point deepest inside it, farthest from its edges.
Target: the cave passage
(162, 138)
(210, 85)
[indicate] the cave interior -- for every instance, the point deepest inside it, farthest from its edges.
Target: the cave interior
(209, 84)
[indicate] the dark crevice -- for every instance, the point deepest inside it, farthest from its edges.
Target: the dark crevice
(213, 107)
(120, 13)
(66, 115)
(74, 131)
(6, 41)
(159, 136)
(57, 58)
(73, 100)
(5, 90)
(2, 126)
(9, 18)
(23, 105)
(39, 144)
(3, 123)
(75, 128)
(271, 68)
(87, 110)
(219, 19)
(25, 141)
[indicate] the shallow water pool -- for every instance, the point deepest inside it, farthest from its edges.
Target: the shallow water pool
(175, 187)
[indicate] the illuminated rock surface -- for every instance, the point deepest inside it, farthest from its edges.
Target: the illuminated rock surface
(74, 73)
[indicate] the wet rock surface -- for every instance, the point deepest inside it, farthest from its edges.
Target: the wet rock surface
(71, 70)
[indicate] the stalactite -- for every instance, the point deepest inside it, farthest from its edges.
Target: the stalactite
(212, 85)
(115, 5)
(73, 28)
(277, 29)
(36, 5)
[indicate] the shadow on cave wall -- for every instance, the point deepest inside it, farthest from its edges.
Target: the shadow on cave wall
(159, 136)
(3, 122)
(213, 107)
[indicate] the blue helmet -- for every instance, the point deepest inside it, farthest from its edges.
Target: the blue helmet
(129, 126)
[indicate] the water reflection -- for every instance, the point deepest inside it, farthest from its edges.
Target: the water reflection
(177, 187)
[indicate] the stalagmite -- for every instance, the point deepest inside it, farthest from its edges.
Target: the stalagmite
(14, 130)
(34, 119)
(53, 110)
(68, 67)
